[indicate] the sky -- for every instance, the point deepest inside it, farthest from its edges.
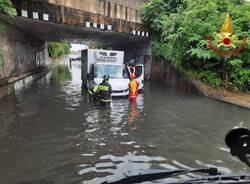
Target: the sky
(76, 47)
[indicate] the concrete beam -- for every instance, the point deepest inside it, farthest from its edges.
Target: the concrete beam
(125, 18)
(109, 8)
(49, 31)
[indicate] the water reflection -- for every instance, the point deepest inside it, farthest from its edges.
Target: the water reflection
(61, 73)
(108, 130)
(69, 84)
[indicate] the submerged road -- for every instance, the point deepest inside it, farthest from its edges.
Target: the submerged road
(51, 134)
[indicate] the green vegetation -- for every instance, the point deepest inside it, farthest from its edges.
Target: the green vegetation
(57, 49)
(2, 74)
(180, 31)
(7, 8)
(1, 60)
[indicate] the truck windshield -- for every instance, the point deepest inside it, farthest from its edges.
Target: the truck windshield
(114, 71)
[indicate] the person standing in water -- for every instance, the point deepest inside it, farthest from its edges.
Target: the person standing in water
(105, 90)
(131, 69)
(133, 88)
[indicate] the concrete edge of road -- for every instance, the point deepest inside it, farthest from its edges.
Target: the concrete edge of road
(11, 82)
(205, 90)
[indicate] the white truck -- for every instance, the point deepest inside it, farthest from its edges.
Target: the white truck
(96, 63)
(139, 72)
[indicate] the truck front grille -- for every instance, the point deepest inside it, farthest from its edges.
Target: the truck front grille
(119, 91)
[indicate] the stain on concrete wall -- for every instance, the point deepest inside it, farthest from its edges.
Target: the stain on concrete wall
(115, 17)
(122, 9)
(21, 51)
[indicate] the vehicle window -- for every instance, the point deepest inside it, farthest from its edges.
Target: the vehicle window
(125, 73)
(113, 71)
(92, 70)
(103, 53)
(113, 54)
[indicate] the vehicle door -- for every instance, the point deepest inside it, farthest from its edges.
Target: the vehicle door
(139, 72)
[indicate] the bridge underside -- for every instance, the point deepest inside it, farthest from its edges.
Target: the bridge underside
(37, 22)
(48, 31)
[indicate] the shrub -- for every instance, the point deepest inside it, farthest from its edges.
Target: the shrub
(181, 35)
(57, 49)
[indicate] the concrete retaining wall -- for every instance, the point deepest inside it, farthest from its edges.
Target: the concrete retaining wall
(162, 71)
(21, 51)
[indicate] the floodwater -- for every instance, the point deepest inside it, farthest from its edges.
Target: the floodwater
(51, 134)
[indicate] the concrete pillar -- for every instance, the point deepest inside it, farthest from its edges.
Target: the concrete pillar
(119, 11)
(109, 9)
(105, 7)
(114, 14)
(136, 16)
(45, 53)
(112, 10)
(102, 9)
(124, 13)
(129, 18)
(133, 15)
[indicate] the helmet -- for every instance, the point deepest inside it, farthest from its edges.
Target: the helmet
(132, 76)
(106, 77)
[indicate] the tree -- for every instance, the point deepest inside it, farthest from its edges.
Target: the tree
(182, 38)
(57, 49)
(7, 7)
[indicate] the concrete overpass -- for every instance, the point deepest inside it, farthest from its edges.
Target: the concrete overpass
(112, 23)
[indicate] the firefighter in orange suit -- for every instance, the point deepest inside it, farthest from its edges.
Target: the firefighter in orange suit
(133, 88)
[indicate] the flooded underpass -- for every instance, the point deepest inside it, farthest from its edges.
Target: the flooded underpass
(51, 134)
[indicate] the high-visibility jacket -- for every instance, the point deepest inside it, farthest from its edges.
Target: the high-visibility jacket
(133, 88)
(105, 91)
(94, 93)
(93, 90)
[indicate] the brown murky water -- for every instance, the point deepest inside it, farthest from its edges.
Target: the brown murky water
(51, 134)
